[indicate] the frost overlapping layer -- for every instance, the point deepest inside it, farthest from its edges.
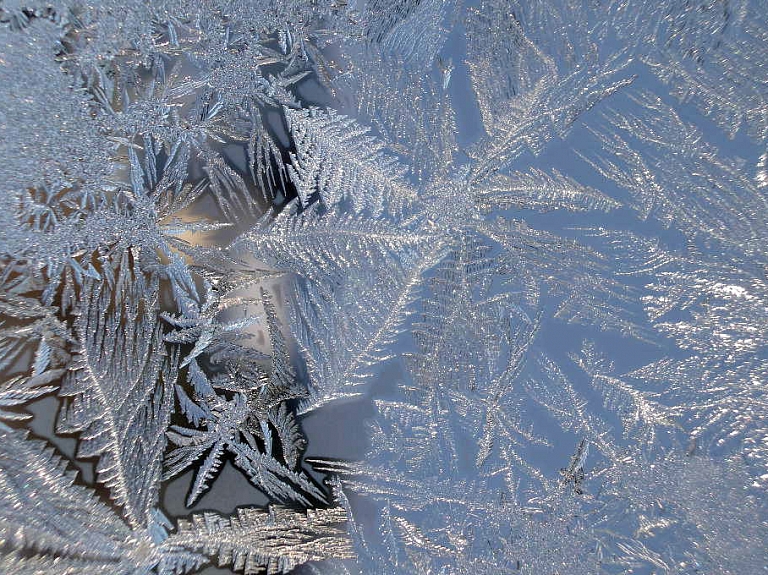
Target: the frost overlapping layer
(527, 238)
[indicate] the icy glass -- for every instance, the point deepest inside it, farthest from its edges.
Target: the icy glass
(384, 287)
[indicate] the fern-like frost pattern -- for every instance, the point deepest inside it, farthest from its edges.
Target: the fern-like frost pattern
(526, 238)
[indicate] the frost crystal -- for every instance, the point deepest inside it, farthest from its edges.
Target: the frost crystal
(527, 238)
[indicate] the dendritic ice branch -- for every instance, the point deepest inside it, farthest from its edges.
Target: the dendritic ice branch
(279, 538)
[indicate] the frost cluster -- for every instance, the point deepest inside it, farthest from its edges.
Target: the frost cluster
(528, 236)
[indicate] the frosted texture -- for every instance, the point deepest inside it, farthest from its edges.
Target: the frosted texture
(517, 247)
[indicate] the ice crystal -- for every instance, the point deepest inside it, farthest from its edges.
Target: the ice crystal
(527, 236)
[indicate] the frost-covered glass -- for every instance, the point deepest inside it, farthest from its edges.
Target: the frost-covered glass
(384, 286)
